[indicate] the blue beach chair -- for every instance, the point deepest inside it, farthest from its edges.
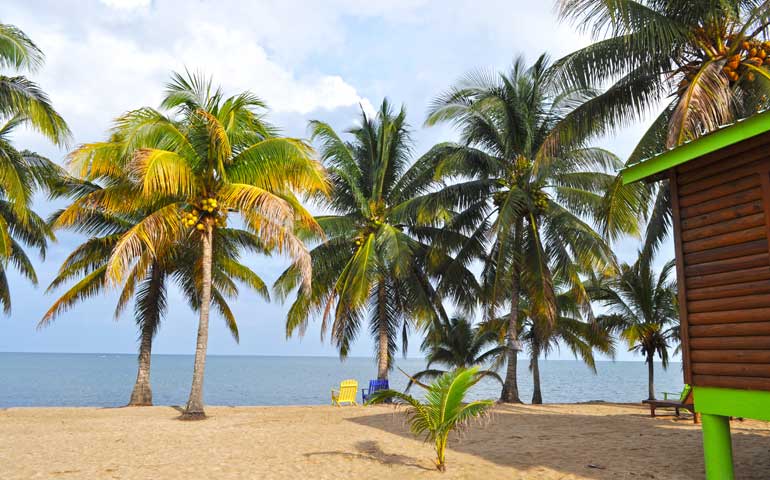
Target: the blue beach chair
(374, 386)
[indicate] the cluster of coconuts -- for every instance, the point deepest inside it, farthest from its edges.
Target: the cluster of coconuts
(753, 53)
(540, 199)
(749, 52)
(195, 217)
(374, 224)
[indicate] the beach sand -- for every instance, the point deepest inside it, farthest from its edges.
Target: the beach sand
(581, 441)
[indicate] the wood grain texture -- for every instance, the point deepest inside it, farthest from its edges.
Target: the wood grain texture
(726, 239)
(723, 253)
(730, 316)
(742, 383)
(720, 203)
(729, 264)
(722, 215)
(753, 342)
(732, 369)
(750, 300)
(729, 291)
(727, 278)
(730, 329)
(731, 356)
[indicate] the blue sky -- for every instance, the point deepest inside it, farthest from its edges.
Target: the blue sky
(308, 60)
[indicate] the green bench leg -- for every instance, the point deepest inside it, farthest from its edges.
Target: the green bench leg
(717, 447)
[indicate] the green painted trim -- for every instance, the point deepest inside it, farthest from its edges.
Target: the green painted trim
(717, 447)
(729, 402)
(737, 132)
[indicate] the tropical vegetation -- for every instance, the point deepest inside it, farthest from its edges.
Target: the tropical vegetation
(23, 104)
(457, 344)
(380, 260)
(694, 65)
(211, 158)
(178, 264)
(545, 201)
(642, 310)
(444, 409)
(175, 196)
(542, 336)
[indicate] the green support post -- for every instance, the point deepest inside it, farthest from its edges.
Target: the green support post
(717, 447)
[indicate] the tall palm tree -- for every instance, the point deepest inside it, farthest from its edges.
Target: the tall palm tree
(457, 344)
(699, 65)
(23, 104)
(179, 264)
(378, 257)
(537, 199)
(214, 156)
(642, 310)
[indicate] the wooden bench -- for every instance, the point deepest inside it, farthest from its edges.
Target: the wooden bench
(677, 405)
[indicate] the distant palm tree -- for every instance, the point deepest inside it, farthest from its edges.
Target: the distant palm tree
(536, 196)
(541, 336)
(455, 343)
(569, 329)
(444, 409)
(214, 157)
(379, 255)
(642, 310)
(23, 104)
(698, 64)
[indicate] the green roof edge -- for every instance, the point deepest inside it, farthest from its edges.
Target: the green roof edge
(729, 135)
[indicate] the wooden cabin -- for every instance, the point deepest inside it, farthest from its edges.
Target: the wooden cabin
(720, 198)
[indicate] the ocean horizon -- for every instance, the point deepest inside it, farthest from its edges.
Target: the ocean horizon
(106, 379)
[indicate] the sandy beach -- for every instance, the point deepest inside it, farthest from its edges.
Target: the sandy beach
(596, 441)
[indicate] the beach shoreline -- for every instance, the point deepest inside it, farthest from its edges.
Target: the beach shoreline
(553, 441)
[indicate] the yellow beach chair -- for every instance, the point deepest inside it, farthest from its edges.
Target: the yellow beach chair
(347, 393)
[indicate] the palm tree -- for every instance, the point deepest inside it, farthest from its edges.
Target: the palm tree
(444, 408)
(541, 336)
(214, 156)
(456, 344)
(179, 264)
(569, 329)
(642, 310)
(536, 199)
(378, 257)
(698, 64)
(23, 104)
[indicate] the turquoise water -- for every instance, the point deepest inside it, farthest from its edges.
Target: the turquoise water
(105, 380)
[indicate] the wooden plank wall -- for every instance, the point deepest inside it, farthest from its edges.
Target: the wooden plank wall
(721, 221)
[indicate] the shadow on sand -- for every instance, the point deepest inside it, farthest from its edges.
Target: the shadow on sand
(370, 450)
(589, 446)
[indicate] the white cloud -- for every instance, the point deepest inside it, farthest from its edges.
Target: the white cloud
(95, 77)
(367, 107)
(127, 4)
(238, 62)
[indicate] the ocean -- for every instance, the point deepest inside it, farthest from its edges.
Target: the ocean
(106, 380)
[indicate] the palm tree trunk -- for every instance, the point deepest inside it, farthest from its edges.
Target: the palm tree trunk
(382, 345)
(141, 396)
(537, 396)
(194, 409)
(650, 377)
(441, 442)
(510, 392)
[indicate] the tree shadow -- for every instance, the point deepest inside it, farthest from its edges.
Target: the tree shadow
(629, 444)
(371, 450)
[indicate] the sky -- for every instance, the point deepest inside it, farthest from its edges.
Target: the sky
(307, 60)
